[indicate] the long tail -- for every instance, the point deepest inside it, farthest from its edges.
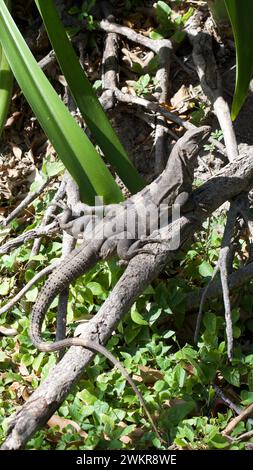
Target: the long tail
(74, 265)
(95, 347)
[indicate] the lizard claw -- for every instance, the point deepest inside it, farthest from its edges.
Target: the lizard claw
(60, 204)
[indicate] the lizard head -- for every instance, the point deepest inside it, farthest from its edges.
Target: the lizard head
(195, 138)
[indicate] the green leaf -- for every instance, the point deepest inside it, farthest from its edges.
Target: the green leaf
(231, 375)
(163, 12)
(250, 380)
(96, 288)
(38, 361)
(178, 36)
(241, 16)
(54, 168)
(5, 287)
(209, 321)
(155, 35)
(179, 375)
(27, 359)
(86, 99)
(178, 412)
(137, 317)
(205, 269)
(219, 441)
(72, 145)
(32, 294)
(247, 397)
(6, 84)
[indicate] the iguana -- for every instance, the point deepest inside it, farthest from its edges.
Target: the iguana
(174, 185)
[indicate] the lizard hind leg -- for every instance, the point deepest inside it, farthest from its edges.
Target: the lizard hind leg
(128, 248)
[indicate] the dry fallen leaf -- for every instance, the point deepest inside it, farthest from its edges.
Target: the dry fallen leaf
(180, 101)
(57, 420)
(17, 151)
(149, 375)
(12, 119)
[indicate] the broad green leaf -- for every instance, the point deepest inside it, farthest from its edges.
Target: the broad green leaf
(231, 375)
(86, 99)
(72, 145)
(241, 16)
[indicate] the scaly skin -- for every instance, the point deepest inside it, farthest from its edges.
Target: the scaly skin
(174, 182)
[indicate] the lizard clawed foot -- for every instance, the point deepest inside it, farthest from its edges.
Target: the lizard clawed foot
(60, 204)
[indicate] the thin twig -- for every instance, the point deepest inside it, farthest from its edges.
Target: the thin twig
(49, 230)
(235, 280)
(48, 215)
(162, 77)
(222, 267)
(156, 108)
(25, 203)
(27, 287)
(226, 400)
(131, 35)
(210, 80)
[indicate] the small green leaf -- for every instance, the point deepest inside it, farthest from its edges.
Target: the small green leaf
(96, 288)
(236, 332)
(155, 35)
(54, 168)
(179, 375)
(27, 359)
(163, 12)
(231, 375)
(32, 294)
(209, 321)
(137, 317)
(219, 442)
(178, 412)
(247, 397)
(159, 385)
(205, 269)
(38, 361)
(250, 380)
(5, 287)
(178, 36)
